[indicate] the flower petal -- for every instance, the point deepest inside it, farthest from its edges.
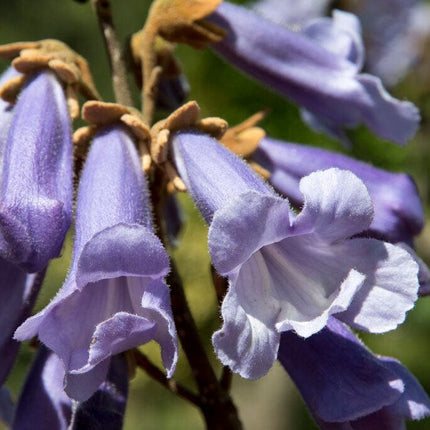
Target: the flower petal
(337, 205)
(245, 344)
(122, 250)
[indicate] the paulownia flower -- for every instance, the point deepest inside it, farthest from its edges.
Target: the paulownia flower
(398, 213)
(18, 290)
(114, 298)
(318, 68)
(44, 401)
(346, 387)
(287, 271)
(36, 185)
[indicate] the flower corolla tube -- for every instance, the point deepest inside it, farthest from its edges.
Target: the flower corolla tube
(114, 297)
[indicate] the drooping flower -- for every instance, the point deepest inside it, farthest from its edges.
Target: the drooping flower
(18, 294)
(116, 282)
(288, 271)
(36, 183)
(345, 386)
(318, 71)
(18, 290)
(398, 213)
(44, 401)
(396, 33)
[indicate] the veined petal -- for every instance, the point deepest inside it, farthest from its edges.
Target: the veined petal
(229, 238)
(245, 344)
(337, 205)
(36, 207)
(391, 285)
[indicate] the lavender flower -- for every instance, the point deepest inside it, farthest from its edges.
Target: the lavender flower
(6, 112)
(36, 185)
(287, 271)
(395, 35)
(115, 297)
(398, 213)
(345, 386)
(43, 400)
(324, 79)
(18, 293)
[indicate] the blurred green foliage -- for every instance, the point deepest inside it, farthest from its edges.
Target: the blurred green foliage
(271, 403)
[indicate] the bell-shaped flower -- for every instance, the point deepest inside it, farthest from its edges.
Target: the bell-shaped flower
(36, 178)
(345, 386)
(288, 271)
(114, 298)
(398, 211)
(318, 68)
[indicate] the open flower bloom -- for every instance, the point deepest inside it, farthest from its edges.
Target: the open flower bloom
(318, 68)
(398, 211)
(36, 185)
(288, 271)
(114, 298)
(346, 387)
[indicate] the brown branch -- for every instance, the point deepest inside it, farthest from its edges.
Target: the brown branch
(155, 373)
(113, 49)
(216, 405)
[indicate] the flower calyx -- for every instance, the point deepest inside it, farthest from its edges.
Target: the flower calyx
(182, 21)
(70, 68)
(243, 139)
(100, 114)
(187, 116)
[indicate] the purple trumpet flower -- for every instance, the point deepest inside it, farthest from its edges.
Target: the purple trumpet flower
(398, 213)
(36, 186)
(43, 400)
(114, 298)
(288, 271)
(18, 289)
(346, 387)
(316, 70)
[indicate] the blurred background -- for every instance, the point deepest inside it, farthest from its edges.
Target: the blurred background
(271, 403)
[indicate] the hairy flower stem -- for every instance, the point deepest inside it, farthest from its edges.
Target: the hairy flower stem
(113, 49)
